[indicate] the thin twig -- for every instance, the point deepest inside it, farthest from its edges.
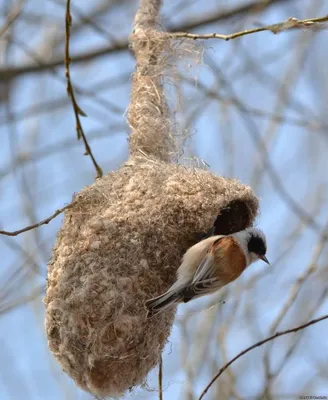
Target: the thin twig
(70, 91)
(258, 344)
(273, 375)
(122, 46)
(288, 81)
(314, 125)
(160, 379)
(290, 23)
(90, 93)
(38, 224)
(263, 152)
(296, 288)
(294, 292)
(4, 308)
(14, 13)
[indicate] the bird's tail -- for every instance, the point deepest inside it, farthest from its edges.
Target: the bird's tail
(160, 303)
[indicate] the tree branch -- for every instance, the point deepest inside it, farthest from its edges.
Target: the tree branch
(43, 222)
(71, 94)
(12, 16)
(258, 344)
(290, 23)
(7, 307)
(160, 379)
(123, 45)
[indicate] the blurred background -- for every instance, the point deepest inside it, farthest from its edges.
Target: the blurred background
(256, 109)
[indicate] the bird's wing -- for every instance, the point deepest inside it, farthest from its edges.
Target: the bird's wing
(201, 288)
(223, 263)
(207, 276)
(207, 268)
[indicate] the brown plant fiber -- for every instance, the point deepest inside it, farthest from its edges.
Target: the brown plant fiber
(149, 115)
(120, 245)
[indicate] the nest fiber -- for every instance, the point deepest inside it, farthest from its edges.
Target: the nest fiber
(121, 244)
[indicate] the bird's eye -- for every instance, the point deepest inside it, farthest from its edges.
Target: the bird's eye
(256, 245)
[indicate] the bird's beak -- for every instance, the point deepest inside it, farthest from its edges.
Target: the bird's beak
(265, 259)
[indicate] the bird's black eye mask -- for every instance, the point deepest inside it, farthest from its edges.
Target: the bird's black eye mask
(256, 245)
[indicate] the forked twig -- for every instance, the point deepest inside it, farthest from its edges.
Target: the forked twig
(77, 110)
(38, 224)
(290, 23)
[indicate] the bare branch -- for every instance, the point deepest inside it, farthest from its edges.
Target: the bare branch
(294, 292)
(70, 91)
(15, 12)
(37, 225)
(290, 23)
(160, 379)
(123, 45)
(7, 307)
(258, 344)
(253, 7)
(263, 152)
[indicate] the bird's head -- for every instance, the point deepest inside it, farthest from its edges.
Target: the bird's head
(253, 243)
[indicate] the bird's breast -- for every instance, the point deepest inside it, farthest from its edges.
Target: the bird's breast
(230, 259)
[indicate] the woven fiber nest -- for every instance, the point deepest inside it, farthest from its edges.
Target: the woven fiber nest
(121, 244)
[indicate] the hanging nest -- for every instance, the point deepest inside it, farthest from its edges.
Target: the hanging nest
(121, 244)
(123, 238)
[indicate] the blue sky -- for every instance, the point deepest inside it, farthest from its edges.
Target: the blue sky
(56, 168)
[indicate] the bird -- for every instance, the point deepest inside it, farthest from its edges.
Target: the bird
(210, 265)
